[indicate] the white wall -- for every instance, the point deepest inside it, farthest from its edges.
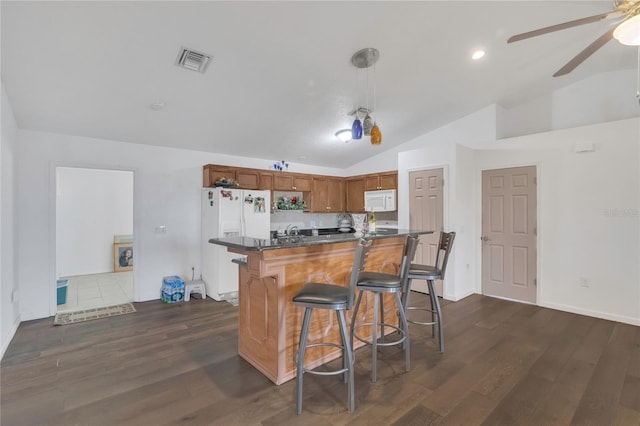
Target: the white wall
(442, 148)
(588, 223)
(601, 98)
(588, 220)
(167, 188)
(10, 316)
(92, 206)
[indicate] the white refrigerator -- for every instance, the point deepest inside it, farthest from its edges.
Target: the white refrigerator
(228, 212)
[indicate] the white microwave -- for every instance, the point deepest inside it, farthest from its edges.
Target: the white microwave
(380, 201)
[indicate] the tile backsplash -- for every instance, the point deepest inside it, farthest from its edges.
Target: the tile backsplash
(280, 219)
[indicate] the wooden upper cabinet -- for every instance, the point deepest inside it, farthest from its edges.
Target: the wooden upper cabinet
(319, 196)
(376, 182)
(354, 189)
(289, 182)
(335, 196)
(266, 181)
(327, 195)
(211, 173)
(389, 181)
(248, 179)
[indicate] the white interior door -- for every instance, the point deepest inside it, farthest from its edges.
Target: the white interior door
(426, 212)
(509, 233)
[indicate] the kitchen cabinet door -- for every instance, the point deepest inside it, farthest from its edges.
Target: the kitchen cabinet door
(302, 183)
(248, 179)
(371, 183)
(335, 195)
(288, 182)
(389, 181)
(377, 182)
(211, 173)
(319, 196)
(266, 181)
(354, 190)
(327, 196)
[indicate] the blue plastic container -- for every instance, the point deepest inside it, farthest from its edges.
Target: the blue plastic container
(61, 287)
(172, 289)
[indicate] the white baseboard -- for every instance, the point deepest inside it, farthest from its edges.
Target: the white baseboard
(14, 328)
(462, 295)
(590, 313)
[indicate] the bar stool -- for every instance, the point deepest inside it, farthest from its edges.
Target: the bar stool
(379, 284)
(430, 274)
(337, 298)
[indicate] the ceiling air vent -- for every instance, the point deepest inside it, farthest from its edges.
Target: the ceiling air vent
(192, 60)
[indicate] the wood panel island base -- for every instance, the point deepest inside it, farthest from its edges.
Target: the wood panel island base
(269, 322)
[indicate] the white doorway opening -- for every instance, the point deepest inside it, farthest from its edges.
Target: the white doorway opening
(94, 233)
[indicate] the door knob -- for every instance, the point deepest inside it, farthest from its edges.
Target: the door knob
(484, 239)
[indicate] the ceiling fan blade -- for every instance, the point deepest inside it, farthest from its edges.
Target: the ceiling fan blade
(582, 56)
(558, 27)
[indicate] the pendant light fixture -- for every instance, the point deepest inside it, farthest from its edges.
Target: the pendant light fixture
(365, 58)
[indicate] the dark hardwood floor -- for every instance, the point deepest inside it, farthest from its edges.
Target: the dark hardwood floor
(505, 364)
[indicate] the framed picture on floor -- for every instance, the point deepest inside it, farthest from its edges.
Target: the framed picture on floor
(122, 257)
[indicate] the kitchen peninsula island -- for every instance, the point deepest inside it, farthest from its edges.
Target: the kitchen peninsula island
(272, 271)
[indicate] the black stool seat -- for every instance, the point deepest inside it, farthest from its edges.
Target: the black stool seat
(323, 294)
(425, 272)
(377, 279)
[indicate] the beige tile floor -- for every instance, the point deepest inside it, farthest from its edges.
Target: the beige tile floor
(97, 290)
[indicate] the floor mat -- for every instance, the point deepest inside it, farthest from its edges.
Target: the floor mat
(232, 302)
(65, 318)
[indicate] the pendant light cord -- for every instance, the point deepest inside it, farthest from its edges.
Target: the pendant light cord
(638, 77)
(374, 88)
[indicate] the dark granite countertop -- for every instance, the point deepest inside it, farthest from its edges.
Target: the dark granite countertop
(255, 244)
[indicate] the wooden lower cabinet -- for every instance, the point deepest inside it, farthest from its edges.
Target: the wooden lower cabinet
(269, 322)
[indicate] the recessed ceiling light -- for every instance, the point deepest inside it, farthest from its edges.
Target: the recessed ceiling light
(157, 106)
(478, 54)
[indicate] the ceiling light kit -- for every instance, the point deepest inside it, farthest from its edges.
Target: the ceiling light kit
(627, 31)
(478, 54)
(344, 135)
(157, 106)
(366, 58)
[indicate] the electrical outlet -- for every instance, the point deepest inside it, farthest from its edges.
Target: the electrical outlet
(584, 282)
(14, 296)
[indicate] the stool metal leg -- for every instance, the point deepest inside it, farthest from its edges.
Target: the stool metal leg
(382, 318)
(374, 339)
(432, 301)
(306, 322)
(349, 360)
(405, 326)
(438, 313)
(354, 317)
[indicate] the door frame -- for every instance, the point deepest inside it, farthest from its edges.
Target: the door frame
(445, 209)
(53, 186)
(539, 222)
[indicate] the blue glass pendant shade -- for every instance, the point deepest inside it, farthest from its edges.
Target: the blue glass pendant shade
(356, 129)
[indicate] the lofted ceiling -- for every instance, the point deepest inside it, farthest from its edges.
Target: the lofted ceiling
(281, 82)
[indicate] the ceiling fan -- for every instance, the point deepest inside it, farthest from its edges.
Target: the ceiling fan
(626, 11)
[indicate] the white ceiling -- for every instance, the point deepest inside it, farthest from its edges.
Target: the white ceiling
(281, 82)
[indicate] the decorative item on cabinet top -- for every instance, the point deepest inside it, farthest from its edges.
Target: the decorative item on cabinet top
(225, 182)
